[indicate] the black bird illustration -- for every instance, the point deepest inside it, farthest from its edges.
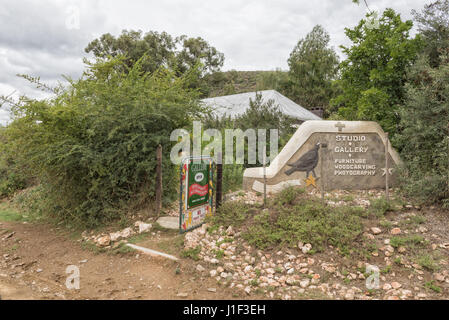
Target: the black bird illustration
(306, 163)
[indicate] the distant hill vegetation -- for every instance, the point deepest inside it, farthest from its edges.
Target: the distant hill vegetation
(234, 82)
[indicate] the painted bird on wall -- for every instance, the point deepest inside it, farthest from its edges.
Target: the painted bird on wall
(306, 163)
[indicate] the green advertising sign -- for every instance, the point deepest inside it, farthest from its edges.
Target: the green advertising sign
(198, 184)
(195, 203)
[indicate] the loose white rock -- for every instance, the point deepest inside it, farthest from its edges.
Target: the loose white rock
(104, 241)
(143, 227)
(200, 268)
(307, 247)
(248, 269)
(396, 285)
(248, 290)
(304, 283)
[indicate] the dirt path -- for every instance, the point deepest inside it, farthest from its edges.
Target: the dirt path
(34, 258)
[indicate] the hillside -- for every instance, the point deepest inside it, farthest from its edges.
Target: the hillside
(233, 82)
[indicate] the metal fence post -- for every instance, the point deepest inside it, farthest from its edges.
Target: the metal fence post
(159, 180)
(264, 179)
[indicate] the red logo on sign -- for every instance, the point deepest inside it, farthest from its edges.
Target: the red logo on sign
(199, 190)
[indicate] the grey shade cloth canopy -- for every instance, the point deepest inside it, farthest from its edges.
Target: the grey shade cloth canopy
(236, 104)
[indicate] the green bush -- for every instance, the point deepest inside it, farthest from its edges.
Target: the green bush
(287, 196)
(12, 176)
(192, 253)
(425, 137)
(379, 206)
(231, 213)
(10, 183)
(232, 177)
(293, 219)
(93, 146)
(428, 262)
(409, 241)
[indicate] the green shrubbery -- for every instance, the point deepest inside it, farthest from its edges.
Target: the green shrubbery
(232, 177)
(12, 176)
(409, 241)
(425, 135)
(373, 76)
(10, 181)
(380, 206)
(308, 221)
(290, 217)
(93, 146)
(232, 213)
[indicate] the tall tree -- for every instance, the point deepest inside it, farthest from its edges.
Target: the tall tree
(313, 66)
(433, 25)
(196, 50)
(425, 137)
(374, 73)
(159, 49)
(424, 140)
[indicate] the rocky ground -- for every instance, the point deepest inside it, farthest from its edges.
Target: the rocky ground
(216, 263)
(295, 273)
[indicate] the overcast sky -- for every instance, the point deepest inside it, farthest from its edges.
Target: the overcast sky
(46, 38)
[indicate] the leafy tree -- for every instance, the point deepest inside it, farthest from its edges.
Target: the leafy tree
(274, 80)
(433, 25)
(374, 73)
(266, 115)
(313, 67)
(196, 50)
(158, 49)
(233, 82)
(424, 139)
(425, 136)
(93, 146)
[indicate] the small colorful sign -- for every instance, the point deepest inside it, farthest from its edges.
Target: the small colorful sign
(198, 186)
(196, 192)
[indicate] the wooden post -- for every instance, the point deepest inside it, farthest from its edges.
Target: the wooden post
(219, 185)
(264, 179)
(387, 169)
(321, 173)
(158, 180)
